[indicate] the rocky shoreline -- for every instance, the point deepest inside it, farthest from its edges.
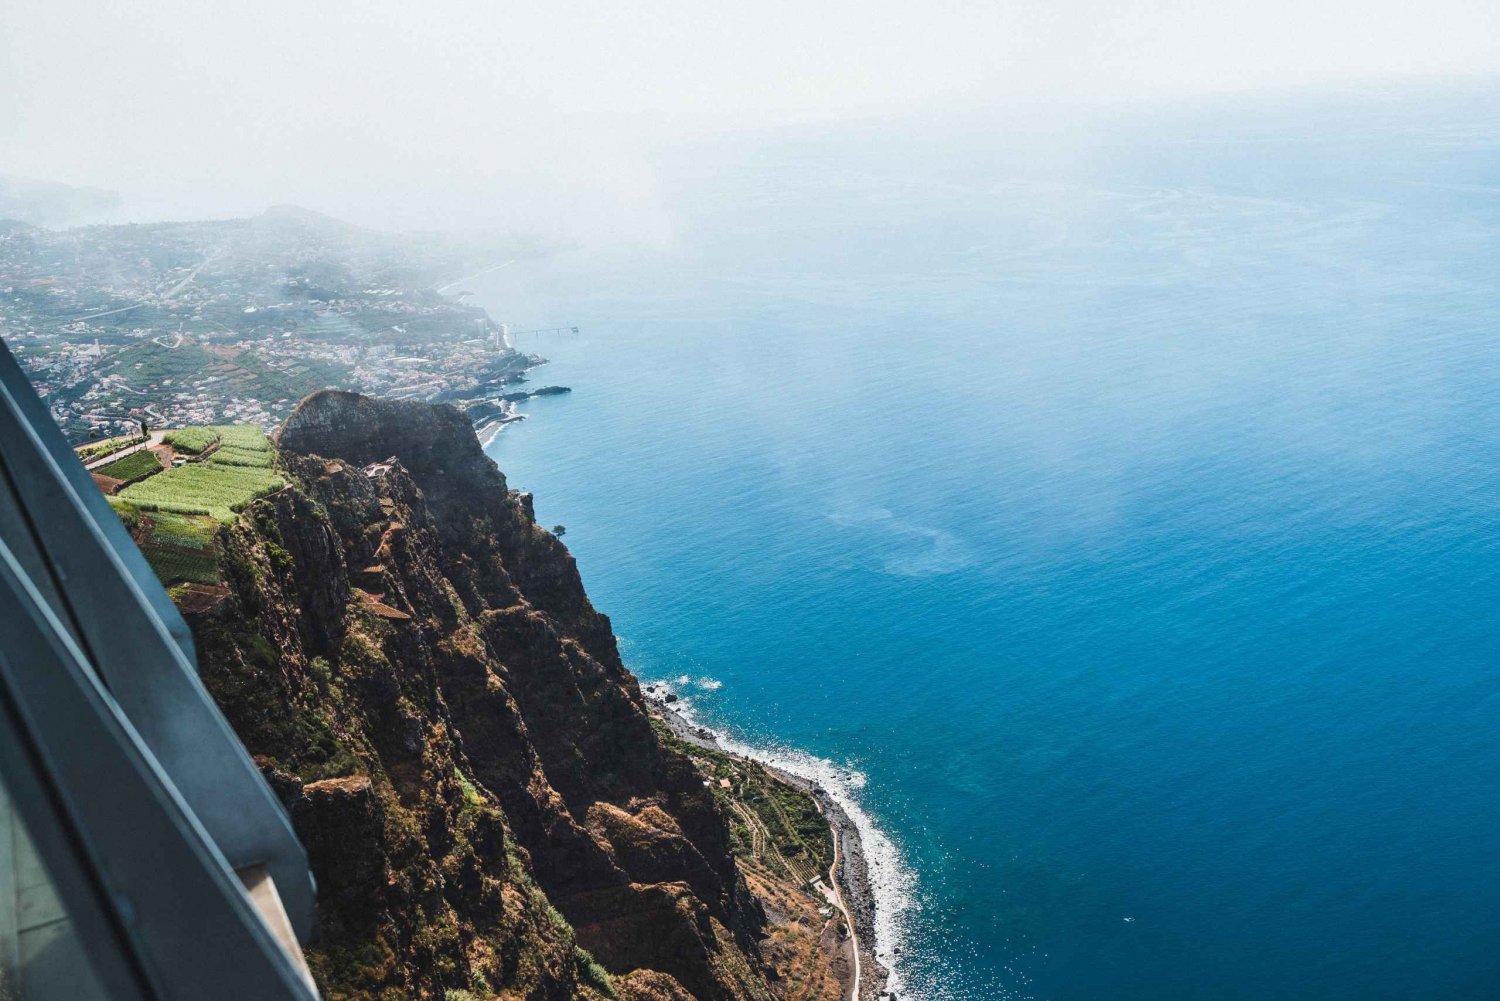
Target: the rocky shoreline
(853, 873)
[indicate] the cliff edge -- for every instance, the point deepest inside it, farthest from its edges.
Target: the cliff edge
(487, 806)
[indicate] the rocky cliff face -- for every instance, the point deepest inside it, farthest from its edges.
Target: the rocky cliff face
(487, 807)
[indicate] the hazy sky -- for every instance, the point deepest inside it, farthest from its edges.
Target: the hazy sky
(475, 110)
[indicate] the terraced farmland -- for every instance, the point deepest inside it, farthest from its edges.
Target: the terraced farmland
(191, 440)
(217, 487)
(181, 548)
(182, 531)
(178, 566)
(244, 446)
(158, 370)
(778, 825)
(135, 466)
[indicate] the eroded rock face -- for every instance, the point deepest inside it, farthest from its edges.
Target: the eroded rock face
(462, 766)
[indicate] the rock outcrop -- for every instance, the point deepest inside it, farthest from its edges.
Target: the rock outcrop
(487, 807)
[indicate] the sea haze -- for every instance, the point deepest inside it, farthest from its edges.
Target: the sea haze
(1120, 501)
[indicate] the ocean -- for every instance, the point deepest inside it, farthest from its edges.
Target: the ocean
(1110, 510)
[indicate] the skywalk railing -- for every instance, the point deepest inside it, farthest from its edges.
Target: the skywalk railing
(173, 862)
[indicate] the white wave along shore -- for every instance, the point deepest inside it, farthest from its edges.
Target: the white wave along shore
(891, 880)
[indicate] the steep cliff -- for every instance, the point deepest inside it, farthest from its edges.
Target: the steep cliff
(487, 807)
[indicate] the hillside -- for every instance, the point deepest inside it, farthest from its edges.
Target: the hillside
(487, 806)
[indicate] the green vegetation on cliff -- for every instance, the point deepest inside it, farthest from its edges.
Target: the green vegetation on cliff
(773, 821)
(180, 548)
(176, 566)
(175, 515)
(202, 488)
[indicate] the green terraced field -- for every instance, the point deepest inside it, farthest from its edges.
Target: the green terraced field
(173, 566)
(182, 530)
(191, 440)
(241, 446)
(218, 489)
(769, 820)
(180, 548)
(148, 364)
(135, 466)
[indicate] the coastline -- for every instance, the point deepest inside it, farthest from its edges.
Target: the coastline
(494, 414)
(853, 879)
(489, 429)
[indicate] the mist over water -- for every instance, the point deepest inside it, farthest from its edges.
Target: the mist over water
(1122, 505)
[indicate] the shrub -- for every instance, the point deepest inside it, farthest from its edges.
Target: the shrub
(471, 794)
(591, 972)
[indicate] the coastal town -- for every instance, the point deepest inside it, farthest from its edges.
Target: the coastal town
(234, 321)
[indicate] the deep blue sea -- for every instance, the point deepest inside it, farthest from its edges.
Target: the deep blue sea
(1114, 505)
